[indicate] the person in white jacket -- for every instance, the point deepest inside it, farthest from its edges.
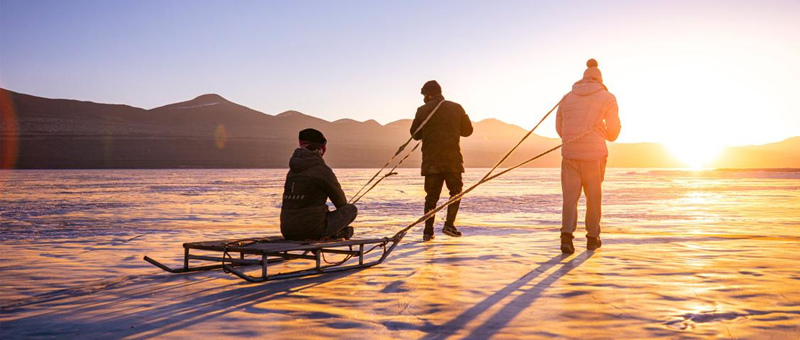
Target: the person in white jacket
(589, 106)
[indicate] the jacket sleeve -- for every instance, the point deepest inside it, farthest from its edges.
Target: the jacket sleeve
(334, 190)
(559, 122)
(418, 119)
(466, 123)
(611, 117)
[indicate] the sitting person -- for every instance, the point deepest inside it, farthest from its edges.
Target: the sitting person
(309, 184)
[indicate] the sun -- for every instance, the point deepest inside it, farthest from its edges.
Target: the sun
(695, 155)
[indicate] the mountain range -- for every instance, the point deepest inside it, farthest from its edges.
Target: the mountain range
(212, 132)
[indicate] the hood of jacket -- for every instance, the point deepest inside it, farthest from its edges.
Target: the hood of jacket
(585, 87)
(303, 159)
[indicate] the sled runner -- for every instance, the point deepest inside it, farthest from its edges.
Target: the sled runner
(232, 255)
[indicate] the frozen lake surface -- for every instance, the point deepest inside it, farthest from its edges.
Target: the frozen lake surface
(68, 203)
(686, 254)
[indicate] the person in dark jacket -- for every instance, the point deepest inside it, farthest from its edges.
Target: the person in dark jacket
(309, 184)
(442, 162)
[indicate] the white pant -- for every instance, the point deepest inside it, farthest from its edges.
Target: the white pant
(587, 176)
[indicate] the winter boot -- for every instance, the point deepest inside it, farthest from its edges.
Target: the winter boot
(346, 233)
(450, 230)
(566, 243)
(427, 234)
(593, 243)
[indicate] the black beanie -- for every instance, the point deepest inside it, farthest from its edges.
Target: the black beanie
(431, 88)
(313, 136)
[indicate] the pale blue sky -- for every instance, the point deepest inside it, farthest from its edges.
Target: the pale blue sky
(677, 67)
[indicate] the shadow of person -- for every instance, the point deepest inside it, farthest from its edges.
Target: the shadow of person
(127, 310)
(514, 307)
(209, 306)
(206, 307)
(153, 306)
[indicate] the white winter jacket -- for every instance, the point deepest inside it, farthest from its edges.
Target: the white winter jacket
(588, 106)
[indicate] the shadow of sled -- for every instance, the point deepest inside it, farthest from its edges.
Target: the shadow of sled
(274, 249)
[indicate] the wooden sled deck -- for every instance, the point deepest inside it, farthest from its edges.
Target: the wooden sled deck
(232, 255)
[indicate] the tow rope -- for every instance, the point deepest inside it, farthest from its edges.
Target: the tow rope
(486, 178)
(490, 175)
(391, 172)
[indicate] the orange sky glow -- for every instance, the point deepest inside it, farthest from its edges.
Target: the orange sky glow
(695, 76)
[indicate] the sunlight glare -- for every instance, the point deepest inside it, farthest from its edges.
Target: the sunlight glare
(694, 153)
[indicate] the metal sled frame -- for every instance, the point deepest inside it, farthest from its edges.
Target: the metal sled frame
(269, 250)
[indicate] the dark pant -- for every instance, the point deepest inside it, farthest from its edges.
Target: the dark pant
(433, 189)
(340, 218)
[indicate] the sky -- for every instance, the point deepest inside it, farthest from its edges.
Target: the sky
(689, 74)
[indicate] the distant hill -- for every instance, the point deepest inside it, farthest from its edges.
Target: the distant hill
(212, 132)
(783, 154)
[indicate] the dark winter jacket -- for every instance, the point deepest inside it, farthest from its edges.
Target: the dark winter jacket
(441, 136)
(309, 184)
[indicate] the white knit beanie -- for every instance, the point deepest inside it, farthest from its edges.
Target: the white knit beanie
(592, 72)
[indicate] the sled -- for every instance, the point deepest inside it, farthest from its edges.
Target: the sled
(232, 255)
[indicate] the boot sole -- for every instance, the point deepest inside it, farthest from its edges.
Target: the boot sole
(451, 234)
(598, 246)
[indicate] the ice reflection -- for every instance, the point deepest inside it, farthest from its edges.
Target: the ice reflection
(686, 255)
(37, 203)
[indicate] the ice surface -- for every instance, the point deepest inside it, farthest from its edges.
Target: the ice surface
(110, 202)
(685, 255)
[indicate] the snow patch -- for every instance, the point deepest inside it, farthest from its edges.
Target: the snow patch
(194, 106)
(288, 114)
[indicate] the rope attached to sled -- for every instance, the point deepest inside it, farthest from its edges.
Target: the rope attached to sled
(356, 197)
(388, 174)
(489, 176)
(391, 172)
(530, 132)
(486, 178)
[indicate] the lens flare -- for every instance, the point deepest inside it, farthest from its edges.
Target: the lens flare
(220, 136)
(9, 132)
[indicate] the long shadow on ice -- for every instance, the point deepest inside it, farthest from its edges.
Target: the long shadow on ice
(97, 312)
(513, 308)
(507, 313)
(153, 306)
(207, 307)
